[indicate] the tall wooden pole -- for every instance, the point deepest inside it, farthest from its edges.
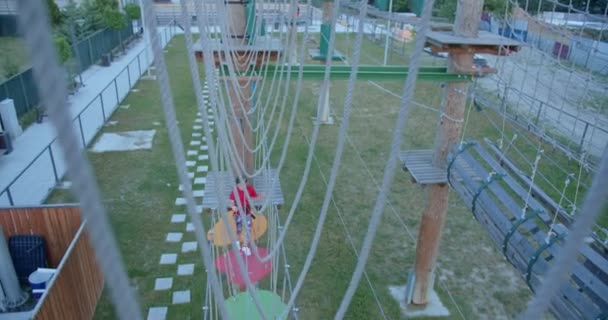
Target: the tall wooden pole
(468, 14)
(239, 92)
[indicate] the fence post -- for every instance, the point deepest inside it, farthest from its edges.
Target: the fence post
(27, 100)
(540, 108)
(103, 110)
(53, 163)
(10, 197)
(139, 64)
(580, 146)
(90, 51)
(116, 89)
(84, 144)
(129, 76)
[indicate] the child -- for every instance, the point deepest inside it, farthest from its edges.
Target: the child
(242, 186)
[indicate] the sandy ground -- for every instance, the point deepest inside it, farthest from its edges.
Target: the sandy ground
(568, 95)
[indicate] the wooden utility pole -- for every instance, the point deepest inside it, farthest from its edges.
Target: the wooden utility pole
(247, 50)
(240, 92)
(466, 24)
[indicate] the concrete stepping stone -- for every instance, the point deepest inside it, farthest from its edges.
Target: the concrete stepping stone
(163, 284)
(189, 227)
(198, 193)
(180, 297)
(189, 246)
(178, 218)
(168, 258)
(202, 180)
(192, 152)
(195, 143)
(157, 313)
(190, 163)
(185, 269)
(180, 201)
(174, 236)
(202, 168)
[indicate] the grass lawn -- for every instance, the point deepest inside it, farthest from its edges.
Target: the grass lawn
(12, 56)
(139, 189)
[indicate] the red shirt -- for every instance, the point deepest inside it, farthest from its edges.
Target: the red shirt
(244, 203)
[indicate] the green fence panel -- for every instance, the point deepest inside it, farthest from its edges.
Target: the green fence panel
(29, 84)
(85, 56)
(15, 92)
(8, 25)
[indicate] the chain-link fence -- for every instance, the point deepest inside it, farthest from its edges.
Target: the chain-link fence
(21, 87)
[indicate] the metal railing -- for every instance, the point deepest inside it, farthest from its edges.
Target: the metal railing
(106, 109)
(567, 131)
(21, 87)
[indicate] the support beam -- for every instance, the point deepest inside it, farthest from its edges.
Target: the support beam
(365, 72)
(466, 24)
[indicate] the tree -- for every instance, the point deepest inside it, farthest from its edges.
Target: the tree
(64, 51)
(102, 5)
(54, 13)
(114, 19)
(401, 6)
(132, 10)
(446, 9)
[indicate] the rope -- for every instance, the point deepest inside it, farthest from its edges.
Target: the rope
(559, 205)
(408, 95)
(564, 262)
(340, 143)
(176, 140)
(314, 137)
(534, 169)
(471, 101)
(50, 80)
(340, 215)
(578, 184)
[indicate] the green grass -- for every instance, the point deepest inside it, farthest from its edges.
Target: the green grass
(12, 52)
(139, 189)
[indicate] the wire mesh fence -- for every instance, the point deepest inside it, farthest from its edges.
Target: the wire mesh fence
(22, 88)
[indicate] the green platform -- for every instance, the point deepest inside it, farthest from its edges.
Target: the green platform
(241, 306)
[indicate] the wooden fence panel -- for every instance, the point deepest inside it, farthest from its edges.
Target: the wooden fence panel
(78, 286)
(56, 224)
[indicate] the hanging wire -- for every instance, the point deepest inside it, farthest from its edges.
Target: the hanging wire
(408, 94)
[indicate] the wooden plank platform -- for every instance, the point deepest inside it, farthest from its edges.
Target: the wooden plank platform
(485, 42)
(267, 182)
(585, 294)
(420, 165)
